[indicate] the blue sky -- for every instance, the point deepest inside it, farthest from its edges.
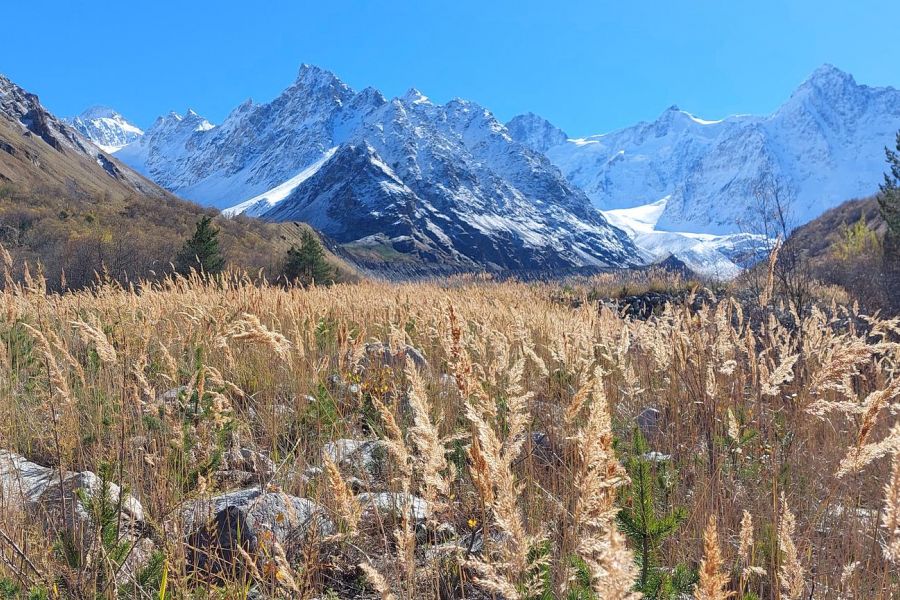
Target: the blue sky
(588, 66)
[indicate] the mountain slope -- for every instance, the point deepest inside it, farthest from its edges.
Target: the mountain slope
(39, 150)
(823, 146)
(435, 183)
(78, 212)
(109, 130)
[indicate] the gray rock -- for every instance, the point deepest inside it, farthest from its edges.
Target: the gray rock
(381, 353)
(39, 492)
(242, 467)
(276, 512)
(395, 503)
(29, 486)
(357, 455)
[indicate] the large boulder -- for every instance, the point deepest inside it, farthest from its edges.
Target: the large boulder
(57, 501)
(248, 519)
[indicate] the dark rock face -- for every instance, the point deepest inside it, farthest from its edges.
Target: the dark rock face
(212, 550)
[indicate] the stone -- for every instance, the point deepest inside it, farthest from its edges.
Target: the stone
(276, 512)
(357, 455)
(648, 421)
(381, 353)
(243, 466)
(249, 519)
(395, 503)
(38, 491)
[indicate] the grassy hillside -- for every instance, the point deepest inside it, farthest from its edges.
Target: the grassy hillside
(128, 236)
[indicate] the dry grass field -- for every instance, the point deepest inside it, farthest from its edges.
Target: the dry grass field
(467, 439)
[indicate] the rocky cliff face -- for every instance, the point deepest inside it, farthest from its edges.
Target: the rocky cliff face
(39, 149)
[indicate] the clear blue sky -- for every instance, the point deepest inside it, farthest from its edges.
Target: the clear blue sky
(588, 66)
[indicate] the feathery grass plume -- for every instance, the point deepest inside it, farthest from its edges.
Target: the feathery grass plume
(346, 506)
(791, 573)
(890, 516)
(734, 429)
(394, 441)
(491, 580)
(430, 451)
(92, 333)
(860, 456)
(784, 373)
(377, 581)
(58, 379)
(745, 543)
(711, 585)
(841, 363)
(249, 329)
(599, 543)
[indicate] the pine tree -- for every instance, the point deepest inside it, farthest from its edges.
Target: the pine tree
(201, 252)
(307, 263)
(889, 198)
(640, 520)
(889, 203)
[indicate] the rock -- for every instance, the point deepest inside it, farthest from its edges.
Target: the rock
(32, 486)
(248, 519)
(381, 353)
(38, 491)
(657, 457)
(648, 421)
(212, 550)
(357, 455)
(173, 394)
(243, 466)
(276, 512)
(395, 503)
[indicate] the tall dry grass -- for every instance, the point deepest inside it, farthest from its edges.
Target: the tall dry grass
(780, 440)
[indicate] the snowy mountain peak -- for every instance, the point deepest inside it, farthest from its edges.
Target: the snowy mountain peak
(440, 184)
(824, 145)
(414, 96)
(106, 128)
(828, 74)
(536, 132)
(98, 112)
(313, 77)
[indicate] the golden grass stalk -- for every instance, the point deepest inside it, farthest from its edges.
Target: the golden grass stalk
(92, 333)
(890, 516)
(346, 506)
(377, 581)
(791, 573)
(713, 580)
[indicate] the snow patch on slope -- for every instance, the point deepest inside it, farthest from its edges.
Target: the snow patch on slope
(256, 206)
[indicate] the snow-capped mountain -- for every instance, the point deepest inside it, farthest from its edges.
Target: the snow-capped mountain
(106, 128)
(435, 183)
(39, 149)
(822, 147)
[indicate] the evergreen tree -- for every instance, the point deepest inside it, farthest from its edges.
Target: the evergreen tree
(889, 203)
(307, 263)
(640, 520)
(201, 252)
(889, 198)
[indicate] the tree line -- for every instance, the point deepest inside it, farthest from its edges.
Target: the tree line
(305, 264)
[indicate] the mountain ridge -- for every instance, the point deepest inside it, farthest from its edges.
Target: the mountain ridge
(471, 194)
(821, 147)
